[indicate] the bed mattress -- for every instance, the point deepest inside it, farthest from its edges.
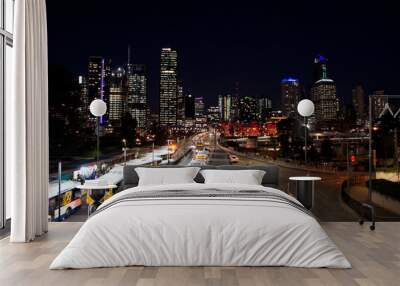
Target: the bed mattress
(201, 225)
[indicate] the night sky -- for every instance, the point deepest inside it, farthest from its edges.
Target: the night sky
(220, 44)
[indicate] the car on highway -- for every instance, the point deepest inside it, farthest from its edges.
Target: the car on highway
(233, 158)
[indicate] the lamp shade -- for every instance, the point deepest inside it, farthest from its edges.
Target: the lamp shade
(305, 107)
(98, 107)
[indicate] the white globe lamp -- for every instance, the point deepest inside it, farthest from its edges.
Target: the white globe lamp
(98, 107)
(305, 108)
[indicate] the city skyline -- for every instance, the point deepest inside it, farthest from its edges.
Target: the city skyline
(291, 89)
(234, 44)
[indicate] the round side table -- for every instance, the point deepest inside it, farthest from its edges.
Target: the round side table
(305, 188)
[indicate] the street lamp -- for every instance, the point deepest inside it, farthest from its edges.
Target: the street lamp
(305, 109)
(98, 108)
(152, 152)
(124, 149)
(168, 143)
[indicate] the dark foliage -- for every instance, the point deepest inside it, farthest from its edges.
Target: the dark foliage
(67, 135)
(128, 128)
(386, 187)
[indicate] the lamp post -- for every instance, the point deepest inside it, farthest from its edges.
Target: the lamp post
(124, 149)
(168, 142)
(152, 152)
(305, 109)
(98, 108)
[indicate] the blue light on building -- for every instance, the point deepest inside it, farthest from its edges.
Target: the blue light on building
(289, 80)
(320, 58)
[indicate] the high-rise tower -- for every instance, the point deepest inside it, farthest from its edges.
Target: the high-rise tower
(136, 100)
(225, 107)
(358, 99)
(323, 93)
(96, 75)
(117, 95)
(180, 104)
(189, 106)
(99, 73)
(136, 94)
(248, 109)
(168, 87)
(320, 68)
(200, 116)
(290, 96)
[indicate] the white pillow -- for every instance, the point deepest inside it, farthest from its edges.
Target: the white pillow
(247, 177)
(166, 176)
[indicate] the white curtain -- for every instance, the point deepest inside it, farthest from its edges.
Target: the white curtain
(27, 124)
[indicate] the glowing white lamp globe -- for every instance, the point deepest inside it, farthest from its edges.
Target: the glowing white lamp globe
(305, 108)
(98, 107)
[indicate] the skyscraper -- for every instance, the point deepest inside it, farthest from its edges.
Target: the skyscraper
(189, 111)
(168, 87)
(180, 100)
(136, 99)
(320, 68)
(323, 94)
(117, 95)
(199, 106)
(248, 109)
(189, 106)
(96, 77)
(290, 96)
(225, 107)
(358, 99)
(264, 107)
(83, 89)
(235, 102)
(200, 116)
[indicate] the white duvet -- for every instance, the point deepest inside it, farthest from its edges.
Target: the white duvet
(202, 232)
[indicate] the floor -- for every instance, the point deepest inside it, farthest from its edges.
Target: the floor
(375, 257)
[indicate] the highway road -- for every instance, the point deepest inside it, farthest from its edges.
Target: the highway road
(328, 202)
(186, 160)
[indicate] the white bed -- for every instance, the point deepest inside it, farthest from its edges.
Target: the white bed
(202, 231)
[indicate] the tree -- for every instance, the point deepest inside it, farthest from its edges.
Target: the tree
(284, 143)
(160, 134)
(297, 149)
(128, 128)
(326, 150)
(65, 121)
(312, 154)
(274, 143)
(290, 138)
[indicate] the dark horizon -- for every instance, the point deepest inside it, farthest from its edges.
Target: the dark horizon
(219, 45)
